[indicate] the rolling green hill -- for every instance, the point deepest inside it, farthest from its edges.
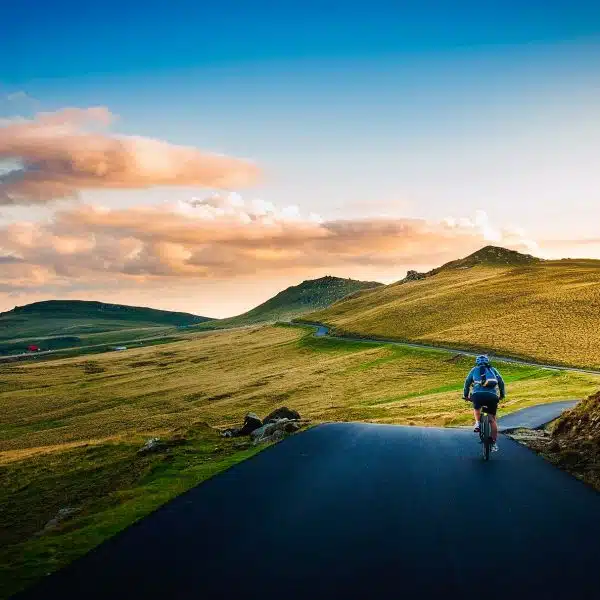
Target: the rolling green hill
(66, 323)
(493, 300)
(312, 294)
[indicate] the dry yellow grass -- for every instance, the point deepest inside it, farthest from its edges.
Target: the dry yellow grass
(218, 376)
(548, 312)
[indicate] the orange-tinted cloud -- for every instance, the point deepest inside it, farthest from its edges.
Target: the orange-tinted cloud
(63, 152)
(224, 237)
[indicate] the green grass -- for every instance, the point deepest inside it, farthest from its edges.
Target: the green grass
(111, 486)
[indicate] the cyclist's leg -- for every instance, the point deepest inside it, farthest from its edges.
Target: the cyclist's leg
(493, 409)
(494, 427)
(477, 404)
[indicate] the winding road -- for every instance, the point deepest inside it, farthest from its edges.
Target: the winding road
(358, 511)
(534, 417)
(323, 331)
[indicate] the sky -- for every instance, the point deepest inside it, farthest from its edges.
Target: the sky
(203, 156)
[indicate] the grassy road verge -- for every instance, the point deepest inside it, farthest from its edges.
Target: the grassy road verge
(108, 485)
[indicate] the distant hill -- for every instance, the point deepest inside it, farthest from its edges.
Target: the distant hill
(489, 256)
(493, 300)
(310, 295)
(65, 323)
(492, 256)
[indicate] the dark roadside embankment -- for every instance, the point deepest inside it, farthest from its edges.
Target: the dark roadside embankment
(572, 442)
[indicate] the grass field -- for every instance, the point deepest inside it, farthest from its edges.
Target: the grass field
(70, 428)
(548, 312)
(58, 324)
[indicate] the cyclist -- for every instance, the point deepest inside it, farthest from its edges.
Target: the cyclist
(486, 382)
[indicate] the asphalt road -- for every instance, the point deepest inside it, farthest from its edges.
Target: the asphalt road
(353, 510)
(534, 417)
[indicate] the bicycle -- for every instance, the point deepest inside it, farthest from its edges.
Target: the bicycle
(485, 433)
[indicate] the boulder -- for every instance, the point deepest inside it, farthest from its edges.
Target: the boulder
(62, 515)
(261, 432)
(276, 436)
(281, 426)
(152, 445)
(251, 423)
(158, 445)
(291, 427)
(282, 413)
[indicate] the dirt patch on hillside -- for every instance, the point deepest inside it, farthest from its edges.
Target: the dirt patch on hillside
(572, 442)
(454, 359)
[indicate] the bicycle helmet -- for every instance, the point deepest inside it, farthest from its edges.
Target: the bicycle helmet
(482, 359)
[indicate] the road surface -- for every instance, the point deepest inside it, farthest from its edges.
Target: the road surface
(323, 331)
(535, 417)
(359, 511)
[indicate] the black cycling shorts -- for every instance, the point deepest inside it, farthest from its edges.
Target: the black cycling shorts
(480, 399)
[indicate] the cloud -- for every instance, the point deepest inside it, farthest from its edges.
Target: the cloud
(64, 152)
(572, 248)
(222, 237)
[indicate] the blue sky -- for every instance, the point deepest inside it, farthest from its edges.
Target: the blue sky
(72, 38)
(352, 109)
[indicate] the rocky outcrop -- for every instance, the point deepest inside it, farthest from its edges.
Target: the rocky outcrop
(273, 431)
(414, 276)
(572, 442)
(62, 515)
(282, 413)
(152, 445)
(276, 426)
(251, 423)
(158, 445)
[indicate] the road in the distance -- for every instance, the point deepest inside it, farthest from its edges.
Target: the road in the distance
(534, 417)
(359, 511)
(323, 331)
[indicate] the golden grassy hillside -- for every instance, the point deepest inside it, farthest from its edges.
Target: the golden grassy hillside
(549, 311)
(219, 376)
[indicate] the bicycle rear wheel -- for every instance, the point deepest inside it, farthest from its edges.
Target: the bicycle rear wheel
(486, 435)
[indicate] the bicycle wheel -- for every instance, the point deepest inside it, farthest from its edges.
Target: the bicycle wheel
(486, 432)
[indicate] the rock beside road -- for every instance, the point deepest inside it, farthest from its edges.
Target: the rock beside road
(282, 413)
(275, 426)
(274, 429)
(251, 422)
